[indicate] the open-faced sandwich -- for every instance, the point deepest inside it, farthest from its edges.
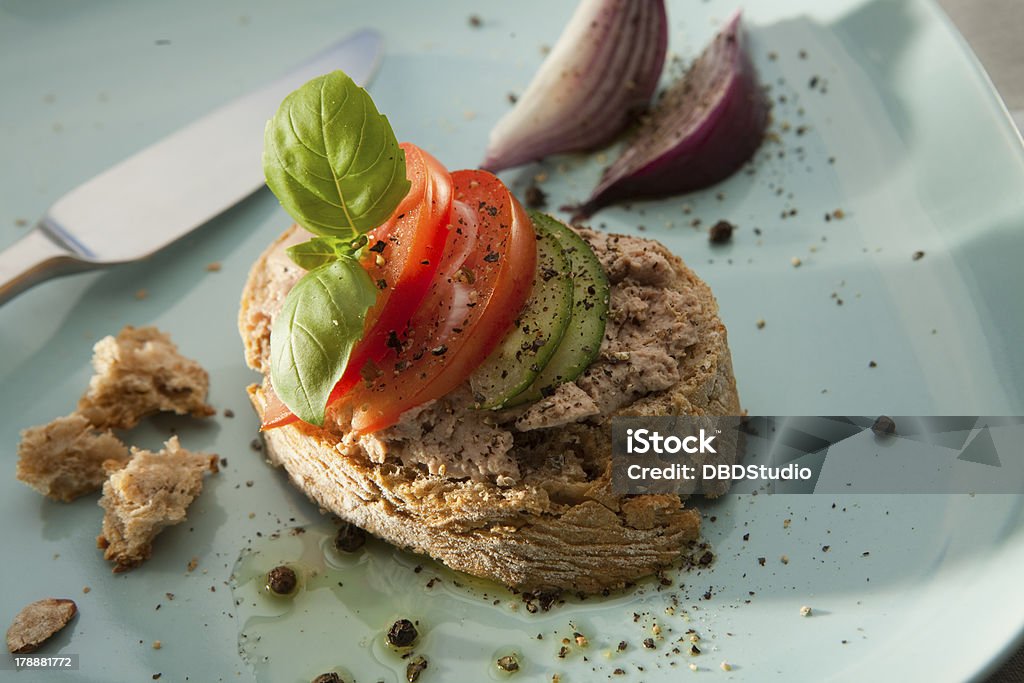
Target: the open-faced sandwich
(441, 367)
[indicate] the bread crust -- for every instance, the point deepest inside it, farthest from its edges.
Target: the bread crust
(542, 533)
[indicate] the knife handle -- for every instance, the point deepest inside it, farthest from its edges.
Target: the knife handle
(32, 259)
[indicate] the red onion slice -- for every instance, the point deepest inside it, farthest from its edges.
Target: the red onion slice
(602, 71)
(702, 130)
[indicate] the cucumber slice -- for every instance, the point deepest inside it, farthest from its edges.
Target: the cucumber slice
(524, 351)
(582, 339)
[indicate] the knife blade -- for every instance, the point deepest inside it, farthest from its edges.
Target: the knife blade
(172, 187)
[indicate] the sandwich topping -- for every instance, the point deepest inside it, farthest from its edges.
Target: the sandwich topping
(416, 280)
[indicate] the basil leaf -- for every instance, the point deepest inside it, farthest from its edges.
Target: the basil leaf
(318, 251)
(313, 335)
(333, 160)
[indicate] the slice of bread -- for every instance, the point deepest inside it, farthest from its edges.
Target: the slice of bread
(544, 517)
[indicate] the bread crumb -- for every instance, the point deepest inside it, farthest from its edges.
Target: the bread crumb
(805, 611)
(157, 645)
(141, 294)
(760, 323)
(64, 459)
(37, 622)
(192, 564)
(784, 559)
(86, 589)
(693, 667)
(796, 261)
(151, 492)
(213, 267)
(726, 666)
(138, 373)
(786, 523)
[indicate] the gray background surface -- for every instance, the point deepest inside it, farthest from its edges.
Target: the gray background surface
(995, 31)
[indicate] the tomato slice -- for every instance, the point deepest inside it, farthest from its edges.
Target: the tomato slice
(402, 257)
(482, 283)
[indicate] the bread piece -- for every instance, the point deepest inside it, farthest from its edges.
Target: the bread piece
(64, 459)
(151, 492)
(545, 516)
(38, 622)
(138, 373)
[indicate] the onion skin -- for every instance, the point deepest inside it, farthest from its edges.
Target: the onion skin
(701, 131)
(598, 77)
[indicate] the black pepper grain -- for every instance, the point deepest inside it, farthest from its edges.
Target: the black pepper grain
(415, 668)
(508, 663)
(329, 677)
(720, 232)
(402, 633)
(884, 426)
(349, 538)
(281, 580)
(649, 643)
(918, 255)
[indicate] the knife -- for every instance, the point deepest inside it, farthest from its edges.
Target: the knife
(171, 187)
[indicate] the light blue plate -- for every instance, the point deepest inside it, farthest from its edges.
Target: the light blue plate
(924, 159)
